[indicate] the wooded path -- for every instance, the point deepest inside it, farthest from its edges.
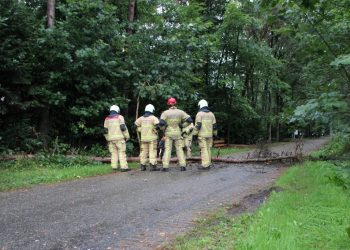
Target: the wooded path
(134, 210)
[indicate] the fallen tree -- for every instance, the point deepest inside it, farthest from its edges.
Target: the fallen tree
(215, 159)
(175, 160)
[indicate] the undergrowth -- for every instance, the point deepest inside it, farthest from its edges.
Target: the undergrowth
(338, 148)
(312, 212)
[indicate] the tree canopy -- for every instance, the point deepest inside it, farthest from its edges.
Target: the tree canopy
(265, 67)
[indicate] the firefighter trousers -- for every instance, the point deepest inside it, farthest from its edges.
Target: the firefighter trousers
(179, 145)
(205, 145)
(148, 153)
(118, 153)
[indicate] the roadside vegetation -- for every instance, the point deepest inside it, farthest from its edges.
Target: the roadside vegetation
(267, 68)
(312, 212)
(46, 168)
(26, 172)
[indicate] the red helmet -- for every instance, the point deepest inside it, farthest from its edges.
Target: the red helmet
(171, 101)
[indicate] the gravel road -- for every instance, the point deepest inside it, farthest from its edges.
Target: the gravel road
(134, 210)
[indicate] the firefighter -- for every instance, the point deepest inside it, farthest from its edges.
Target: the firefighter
(187, 134)
(172, 121)
(116, 135)
(205, 128)
(147, 126)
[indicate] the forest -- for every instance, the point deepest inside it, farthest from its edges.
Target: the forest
(267, 68)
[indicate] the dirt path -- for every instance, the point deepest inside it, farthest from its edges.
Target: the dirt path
(135, 210)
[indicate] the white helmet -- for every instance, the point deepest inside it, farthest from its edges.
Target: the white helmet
(115, 108)
(202, 103)
(149, 108)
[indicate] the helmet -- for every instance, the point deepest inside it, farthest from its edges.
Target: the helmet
(114, 108)
(149, 108)
(202, 103)
(171, 101)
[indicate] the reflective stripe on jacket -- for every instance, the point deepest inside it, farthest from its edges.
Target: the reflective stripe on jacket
(147, 128)
(112, 123)
(174, 118)
(207, 119)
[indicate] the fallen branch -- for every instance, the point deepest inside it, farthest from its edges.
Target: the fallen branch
(198, 159)
(175, 160)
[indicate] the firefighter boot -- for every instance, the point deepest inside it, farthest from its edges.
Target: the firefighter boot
(143, 167)
(154, 168)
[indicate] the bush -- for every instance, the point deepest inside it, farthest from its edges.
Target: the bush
(98, 150)
(19, 135)
(47, 161)
(338, 147)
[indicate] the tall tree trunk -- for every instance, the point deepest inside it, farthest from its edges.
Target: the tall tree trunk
(131, 14)
(229, 120)
(277, 130)
(267, 108)
(50, 13)
(45, 114)
(270, 113)
(44, 126)
(278, 108)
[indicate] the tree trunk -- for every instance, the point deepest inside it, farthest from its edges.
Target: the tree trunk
(277, 130)
(44, 126)
(45, 114)
(267, 109)
(131, 14)
(50, 13)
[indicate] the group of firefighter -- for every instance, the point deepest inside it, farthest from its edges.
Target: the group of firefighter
(178, 128)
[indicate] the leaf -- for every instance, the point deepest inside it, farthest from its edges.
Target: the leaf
(341, 60)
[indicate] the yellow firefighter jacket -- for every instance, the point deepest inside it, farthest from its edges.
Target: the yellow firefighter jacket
(204, 124)
(146, 125)
(117, 129)
(174, 118)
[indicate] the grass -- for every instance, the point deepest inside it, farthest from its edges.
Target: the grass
(313, 212)
(24, 173)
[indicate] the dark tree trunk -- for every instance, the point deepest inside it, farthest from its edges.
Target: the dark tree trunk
(50, 13)
(45, 114)
(277, 130)
(267, 108)
(131, 14)
(278, 109)
(44, 126)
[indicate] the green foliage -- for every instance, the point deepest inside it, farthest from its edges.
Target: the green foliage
(47, 161)
(17, 136)
(312, 212)
(329, 108)
(339, 146)
(256, 62)
(98, 150)
(341, 60)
